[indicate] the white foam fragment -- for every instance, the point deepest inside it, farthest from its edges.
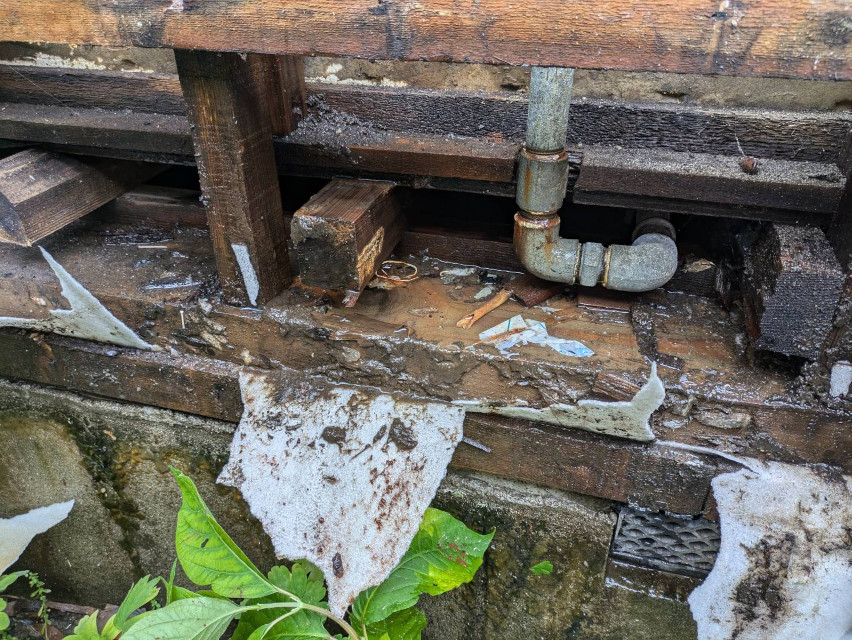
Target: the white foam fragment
(16, 533)
(247, 270)
(340, 476)
(87, 318)
(620, 419)
(519, 331)
(841, 379)
(784, 569)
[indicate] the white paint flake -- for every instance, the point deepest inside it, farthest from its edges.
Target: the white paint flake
(249, 275)
(784, 569)
(340, 476)
(16, 533)
(841, 379)
(620, 419)
(87, 318)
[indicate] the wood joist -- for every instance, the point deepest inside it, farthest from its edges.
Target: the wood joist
(763, 37)
(715, 397)
(403, 135)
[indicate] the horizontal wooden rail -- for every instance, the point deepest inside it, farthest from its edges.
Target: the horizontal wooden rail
(786, 38)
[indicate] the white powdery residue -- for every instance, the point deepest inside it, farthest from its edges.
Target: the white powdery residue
(620, 419)
(340, 476)
(518, 330)
(249, 274)
(87, 318)
(784, 569)
(841, 379)
(16, 533)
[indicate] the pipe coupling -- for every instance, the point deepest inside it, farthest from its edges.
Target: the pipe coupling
(542, 181)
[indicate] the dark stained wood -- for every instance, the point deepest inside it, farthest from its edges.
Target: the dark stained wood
(532, 290)
(763, 37)
(345, 232)
(236, 165)
(791, 285)
(668, 181)
(42, 192)
(813, 136)
(154, 206)
(286, 98)
(462, 248)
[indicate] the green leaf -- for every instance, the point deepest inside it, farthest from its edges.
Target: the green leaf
(4, 621)
(7, 580)
(402, 625)
(543, 568)
(190, 619)
(208, 555)
(86, 629)
(174, 592)
(443, 555)
(139, 595)
(305, 582)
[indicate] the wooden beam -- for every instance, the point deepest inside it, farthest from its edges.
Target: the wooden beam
(816, 136)
(345, 232)
(761, 38)
(675, 181)
(232, 133)
(286, 98)
(42, 192)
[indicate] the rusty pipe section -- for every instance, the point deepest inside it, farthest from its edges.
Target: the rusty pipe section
(649, 262)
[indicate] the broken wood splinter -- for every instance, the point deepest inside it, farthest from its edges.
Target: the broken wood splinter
(470, 319)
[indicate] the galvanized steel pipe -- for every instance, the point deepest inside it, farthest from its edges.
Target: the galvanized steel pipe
(646, 264)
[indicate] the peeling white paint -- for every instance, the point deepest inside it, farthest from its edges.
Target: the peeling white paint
(841, 379)
(16, 533)
(249, 275)
(784, 569)
(87, 318)
(621, 419)
(340, 476)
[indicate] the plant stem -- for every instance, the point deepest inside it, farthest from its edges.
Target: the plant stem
(353, 635)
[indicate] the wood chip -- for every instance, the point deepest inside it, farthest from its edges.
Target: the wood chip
(470, 319)
(531, 290)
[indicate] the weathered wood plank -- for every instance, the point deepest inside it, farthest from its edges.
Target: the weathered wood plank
(666, 180)
(646, 475)
(344, 233)
(41, 192)
(813, 136)
(236, 165)
(763, 37)
(286, 97)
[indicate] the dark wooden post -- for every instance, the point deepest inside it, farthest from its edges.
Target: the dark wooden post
(232, 132)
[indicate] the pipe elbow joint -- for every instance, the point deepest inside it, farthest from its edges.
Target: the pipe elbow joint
(648, 263)
(542, 252)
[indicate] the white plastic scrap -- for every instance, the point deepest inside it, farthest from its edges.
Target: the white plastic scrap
(16, 533)
(841, 379)
(87, 318)
(784, 569)
(340, 476)
(620, 419)
(518, 330)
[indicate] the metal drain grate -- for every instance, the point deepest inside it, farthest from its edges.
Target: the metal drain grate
(678, 544)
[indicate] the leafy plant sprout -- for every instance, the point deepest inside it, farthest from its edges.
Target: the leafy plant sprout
(289, 603)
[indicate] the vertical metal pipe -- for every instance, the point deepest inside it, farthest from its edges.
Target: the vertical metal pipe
(550, 100)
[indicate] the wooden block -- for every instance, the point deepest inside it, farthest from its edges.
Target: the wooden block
(345, 232)
(41, 192)
(791, 285)
(232, 133)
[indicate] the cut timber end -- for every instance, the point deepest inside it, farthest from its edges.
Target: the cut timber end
(791, 285)
(345, 232)
(41, 192)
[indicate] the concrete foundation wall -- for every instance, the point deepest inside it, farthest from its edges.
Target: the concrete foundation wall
(113, 460)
